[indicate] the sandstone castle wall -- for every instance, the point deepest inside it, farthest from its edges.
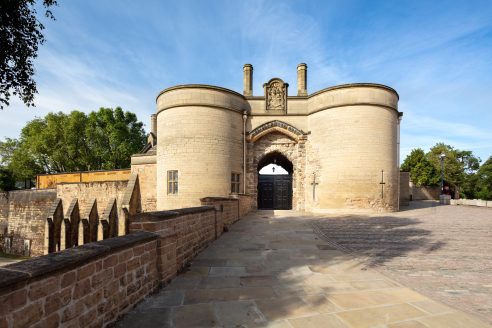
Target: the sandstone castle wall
(349, 145)
(27, 212)
(356, 147)
(199, 134)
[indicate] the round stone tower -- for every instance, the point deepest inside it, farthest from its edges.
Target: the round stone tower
(354, 150)
(199, 143)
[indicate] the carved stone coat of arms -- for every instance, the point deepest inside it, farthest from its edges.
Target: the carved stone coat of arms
(276, 95)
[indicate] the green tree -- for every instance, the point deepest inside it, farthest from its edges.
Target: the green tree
(62, 142)
(483, 185)
(112, 137)
(7, 180)
(459, 165)
(20, 36)
(422, 172)
(7, 148)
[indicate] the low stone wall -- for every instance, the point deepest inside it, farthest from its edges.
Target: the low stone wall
(90, 285)
(404, 188)
(26, 220)
(4, 215)
(472, 202)
(86, 192)
(227, 211)
(230, 208)
(4, 206)
(27, 214)
(425, 192)
(182, 234)
(246, 204)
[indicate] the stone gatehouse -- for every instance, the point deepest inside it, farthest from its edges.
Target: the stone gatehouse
(339, 145)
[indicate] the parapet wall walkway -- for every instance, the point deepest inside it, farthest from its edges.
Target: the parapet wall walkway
(272, 270)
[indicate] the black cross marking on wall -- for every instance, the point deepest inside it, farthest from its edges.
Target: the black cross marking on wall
(382, 183)
(314, 183)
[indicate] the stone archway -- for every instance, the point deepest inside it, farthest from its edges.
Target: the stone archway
(275, 190)
(286, 140)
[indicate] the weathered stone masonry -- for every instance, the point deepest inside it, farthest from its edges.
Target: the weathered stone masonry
(344, 138)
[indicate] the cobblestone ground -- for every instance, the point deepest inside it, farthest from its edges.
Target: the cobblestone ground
(444, 252)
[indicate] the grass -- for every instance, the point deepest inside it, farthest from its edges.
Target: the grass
(13, 257)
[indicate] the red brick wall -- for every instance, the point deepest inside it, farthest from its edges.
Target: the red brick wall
(183, 233)
(246, 204)
(86, 286)
(187, 230)
(227, 211)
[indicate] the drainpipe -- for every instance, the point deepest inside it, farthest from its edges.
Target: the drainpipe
(398, 156)
(245, 116)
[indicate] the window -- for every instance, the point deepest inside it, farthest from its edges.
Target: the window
(172, 182)
(235, 182)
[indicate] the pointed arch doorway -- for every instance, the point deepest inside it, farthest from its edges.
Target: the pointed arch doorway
(275, 182)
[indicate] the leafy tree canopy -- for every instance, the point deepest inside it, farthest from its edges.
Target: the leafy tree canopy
(62, 142)
(461, 169)
(7, 181)
(483, 185)
(459, 165)
(20, 35)
(422, 172)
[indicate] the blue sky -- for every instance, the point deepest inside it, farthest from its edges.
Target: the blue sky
(436, 54)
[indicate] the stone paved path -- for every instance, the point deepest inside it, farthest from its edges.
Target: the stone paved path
(444, 252)
(274, 271)
(4, 261)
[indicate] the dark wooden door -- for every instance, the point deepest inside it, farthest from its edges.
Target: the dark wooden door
(275, 192)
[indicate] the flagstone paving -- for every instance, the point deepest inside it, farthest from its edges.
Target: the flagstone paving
(444, 252)
(272, 270)
(5, 260)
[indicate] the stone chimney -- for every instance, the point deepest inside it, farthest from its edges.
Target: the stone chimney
(302, 79)
(248, 80)
(153, 124)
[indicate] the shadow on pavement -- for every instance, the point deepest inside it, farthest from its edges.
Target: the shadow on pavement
(378, 238)
(272, 270)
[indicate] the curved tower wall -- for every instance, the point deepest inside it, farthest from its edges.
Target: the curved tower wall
(353, 138)
(200, 135)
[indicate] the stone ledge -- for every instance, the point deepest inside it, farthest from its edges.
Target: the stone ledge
(11, 277)
(200, 86)
(170, 214)
(133, 238)
(192, 210)
(153, 216)
(69, 258)
(471, 202)
(31, 195)
(212, 199)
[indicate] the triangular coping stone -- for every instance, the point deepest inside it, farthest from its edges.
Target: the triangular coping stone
(72, 209)
(110, 207)
(54, 207)
(130, 188)
(90, 209)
